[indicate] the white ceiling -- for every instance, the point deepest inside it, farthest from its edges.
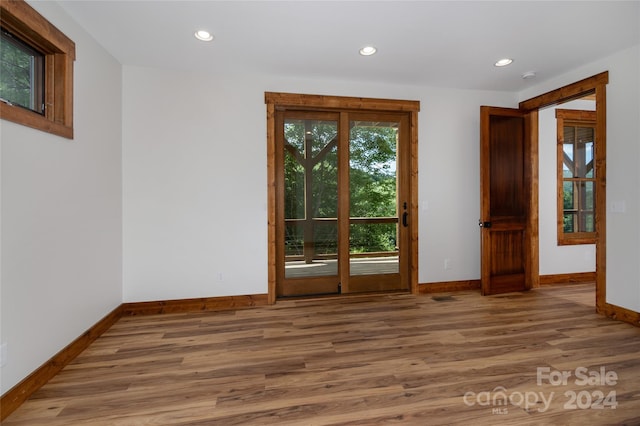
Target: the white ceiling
(433, 43)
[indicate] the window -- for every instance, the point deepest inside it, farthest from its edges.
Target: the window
(36, 71)
(21, 74)
(576, 176)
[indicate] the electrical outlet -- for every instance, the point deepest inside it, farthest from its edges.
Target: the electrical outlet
(619, 207)
(219, 277)
(447, 264)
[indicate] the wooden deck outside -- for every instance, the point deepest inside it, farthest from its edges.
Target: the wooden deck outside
(329, 267)
(376, 359)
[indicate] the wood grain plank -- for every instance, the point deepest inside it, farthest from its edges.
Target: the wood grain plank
(369, 359)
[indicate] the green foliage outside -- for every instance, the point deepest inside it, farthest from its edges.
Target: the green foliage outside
(570, 222)
(372, 183)
(372, 187)
(15, 74)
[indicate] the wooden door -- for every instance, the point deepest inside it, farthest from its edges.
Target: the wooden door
(505, 201)
(343, 202)
(307, 161)
(376, 197)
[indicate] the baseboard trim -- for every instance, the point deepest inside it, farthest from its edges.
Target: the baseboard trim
(619, 313)
(573, 278)
(17, 395)
(448, 286)
(194, 305)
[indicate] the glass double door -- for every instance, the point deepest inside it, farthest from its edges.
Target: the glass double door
(342, 213)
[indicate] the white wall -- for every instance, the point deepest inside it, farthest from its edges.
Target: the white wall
(194, 179)
(555, 259)
(623, 179)
(61, 216)
(194, 172)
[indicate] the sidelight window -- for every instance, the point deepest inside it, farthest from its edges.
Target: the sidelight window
(576, 176)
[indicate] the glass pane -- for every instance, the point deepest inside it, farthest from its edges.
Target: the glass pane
(590, 224)
(372, 161)
(569, 134)
(587, 199)
(323, 244)
(293, 239)
(323, 133)
(373, 194)
(294, 134)
(589, 160)
(373, 238)
(311, 197)
(325, 184)
(568, 203)
(584, 134)
(584, 152)
(579, 203)
(293, 188)
(567, 162)
(325, 237)
(373, 248)
(587, 195)
(18, 73)
(569, 219)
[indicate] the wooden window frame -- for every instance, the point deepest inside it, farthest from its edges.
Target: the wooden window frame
(25, 23)
(584, 119)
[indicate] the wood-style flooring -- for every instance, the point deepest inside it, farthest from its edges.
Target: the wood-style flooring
(455, 359)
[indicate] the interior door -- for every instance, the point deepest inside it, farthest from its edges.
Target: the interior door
(505, 194)
(342, 202)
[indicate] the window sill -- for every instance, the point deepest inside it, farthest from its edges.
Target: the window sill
(577, 240)
(34, 120)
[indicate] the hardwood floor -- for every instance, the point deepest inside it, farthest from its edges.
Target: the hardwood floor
(361, 360)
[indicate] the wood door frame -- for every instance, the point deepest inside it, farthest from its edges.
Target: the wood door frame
(592, 85)
(275, 100)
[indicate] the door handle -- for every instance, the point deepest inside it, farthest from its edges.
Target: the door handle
(405, 223)
(482, 224)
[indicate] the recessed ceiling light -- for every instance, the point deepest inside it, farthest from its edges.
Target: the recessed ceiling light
(368, 50)
(503, 62)
(529, 74)
(203, 35)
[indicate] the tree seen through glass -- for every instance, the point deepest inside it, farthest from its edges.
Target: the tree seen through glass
(18, 73)
(311, 153)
